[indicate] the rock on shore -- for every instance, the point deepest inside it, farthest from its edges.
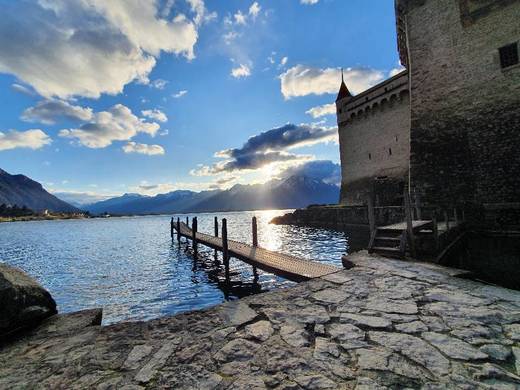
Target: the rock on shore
(23, 302)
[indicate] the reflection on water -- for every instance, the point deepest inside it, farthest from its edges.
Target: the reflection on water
(131, 267)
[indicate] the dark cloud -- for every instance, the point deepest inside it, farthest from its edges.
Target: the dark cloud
(49, 111)
(282, 138)
(270, 147)
(255, 161)
(324, 170)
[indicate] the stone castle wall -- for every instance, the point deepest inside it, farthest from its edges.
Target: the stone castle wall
(374, 134)
(465, 109)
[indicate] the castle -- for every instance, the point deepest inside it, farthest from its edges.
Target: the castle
(448, 126)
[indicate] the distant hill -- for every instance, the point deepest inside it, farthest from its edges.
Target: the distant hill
(292, 192)
(22, 191)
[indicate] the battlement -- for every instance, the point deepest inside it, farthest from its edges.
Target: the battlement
(359, 106)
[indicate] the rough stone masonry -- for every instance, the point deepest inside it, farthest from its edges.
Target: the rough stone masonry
(382, 324)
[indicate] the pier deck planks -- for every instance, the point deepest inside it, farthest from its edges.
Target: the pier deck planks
(287, 266)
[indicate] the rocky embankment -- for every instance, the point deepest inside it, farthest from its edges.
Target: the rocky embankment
(381, 324)
(341, 217)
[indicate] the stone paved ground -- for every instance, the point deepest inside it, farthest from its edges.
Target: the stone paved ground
(382, 324)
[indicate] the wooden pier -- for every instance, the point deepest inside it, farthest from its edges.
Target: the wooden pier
(280, 264)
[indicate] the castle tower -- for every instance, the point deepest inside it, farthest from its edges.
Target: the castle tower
(374, 137)
(464, 69)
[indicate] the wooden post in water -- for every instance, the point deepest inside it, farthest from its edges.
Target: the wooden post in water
(178, 229)
(255, 243)
(409, 222)
(371, 213)
(171, 228)
(456, 215)
(225, 252)
(215, 253)
(194, 235)
(187, 221)
(447, 219)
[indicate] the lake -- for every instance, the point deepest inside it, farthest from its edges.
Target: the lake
(130, 267)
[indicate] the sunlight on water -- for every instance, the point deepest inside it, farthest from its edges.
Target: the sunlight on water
(131, 268)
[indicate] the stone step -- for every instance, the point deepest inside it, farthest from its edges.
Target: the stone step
(387, 238)
(386, 249)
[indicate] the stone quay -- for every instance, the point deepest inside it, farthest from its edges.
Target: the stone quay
(380, 324)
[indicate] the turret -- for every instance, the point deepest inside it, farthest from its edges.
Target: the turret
(343, 90)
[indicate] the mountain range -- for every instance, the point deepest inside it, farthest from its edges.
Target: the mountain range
(312, 183)
(293, 192)
(22, 191)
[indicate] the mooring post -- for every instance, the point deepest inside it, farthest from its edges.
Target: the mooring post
(371, 214)
(178, 229)
(255, 243)
(225, 253)
(194, 234)
(255, 231)
(171, 228)
(187, 222)
(215, 253)
(409, 223)
(447, 219)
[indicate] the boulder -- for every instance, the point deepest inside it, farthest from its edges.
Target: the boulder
(23, 302)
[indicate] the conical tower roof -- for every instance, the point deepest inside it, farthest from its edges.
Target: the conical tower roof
(343, 90)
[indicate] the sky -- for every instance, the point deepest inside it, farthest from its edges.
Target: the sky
(100, 98)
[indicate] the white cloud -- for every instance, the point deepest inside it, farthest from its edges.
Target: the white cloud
(88, 47)
(396, 71)
(201, 13)
(230, 36)
(302, 80)
(254, 10)
(32, 139)
(240, 18)
(156, 114)
(284, 61)
(180, 94)
(319, 111)
(150, 150)
(311, 2)
(241, 71)
(116, 124)
(22, 89)
(151, 189)
(49, 111)
(159, 84)
(79, 198)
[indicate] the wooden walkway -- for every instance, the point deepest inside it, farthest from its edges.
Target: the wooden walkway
(280, 264)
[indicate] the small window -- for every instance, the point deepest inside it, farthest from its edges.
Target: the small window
(390, 151)
(508, 55)
(369, 156)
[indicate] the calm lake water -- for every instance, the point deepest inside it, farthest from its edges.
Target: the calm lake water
(131, 268)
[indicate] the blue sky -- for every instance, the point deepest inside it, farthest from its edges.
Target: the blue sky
(104, 98)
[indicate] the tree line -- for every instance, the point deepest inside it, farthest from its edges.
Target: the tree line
(14, 211)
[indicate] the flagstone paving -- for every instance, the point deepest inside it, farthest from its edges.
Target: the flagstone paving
(382, 324)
